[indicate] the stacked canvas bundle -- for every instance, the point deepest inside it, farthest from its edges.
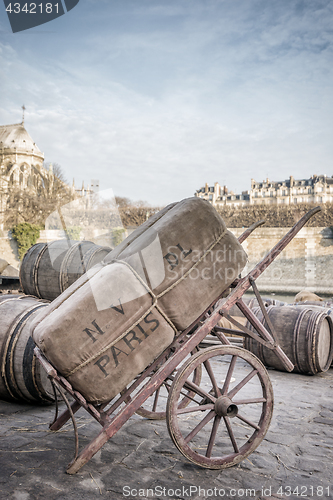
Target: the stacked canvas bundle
(118, 317)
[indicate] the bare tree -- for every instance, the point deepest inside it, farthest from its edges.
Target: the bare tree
(122, 202)
(134, 213)
(34, 204)
(57, 171)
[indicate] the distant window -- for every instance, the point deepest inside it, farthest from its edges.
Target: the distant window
(271, 194)
(309, 190)
(284, 192)
(210, 197)
(295, 200)
(256, 194)
(320, 199)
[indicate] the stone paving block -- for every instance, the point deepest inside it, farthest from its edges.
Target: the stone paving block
(322, 420)
(310, 465)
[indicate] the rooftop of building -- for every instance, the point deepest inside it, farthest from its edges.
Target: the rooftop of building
(16, 136)
(294, 182)
(314, 179)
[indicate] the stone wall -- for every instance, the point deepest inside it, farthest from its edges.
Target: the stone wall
(306, 263)
(8, 249)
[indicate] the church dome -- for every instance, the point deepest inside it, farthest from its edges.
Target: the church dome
(16, 137)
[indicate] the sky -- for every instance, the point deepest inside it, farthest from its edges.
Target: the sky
(155, 98)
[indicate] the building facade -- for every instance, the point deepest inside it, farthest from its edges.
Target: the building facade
(316, 189)
(21, 166)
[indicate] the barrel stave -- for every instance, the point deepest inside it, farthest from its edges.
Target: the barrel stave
(305, 333)
(50, 268)
(21, 377)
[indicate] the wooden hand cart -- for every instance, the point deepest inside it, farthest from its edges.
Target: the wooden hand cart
(215, 420)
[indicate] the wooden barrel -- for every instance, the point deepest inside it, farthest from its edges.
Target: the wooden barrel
(327, 304)
(271, 302)
(49, 268)
(305, 333)
(22, 378)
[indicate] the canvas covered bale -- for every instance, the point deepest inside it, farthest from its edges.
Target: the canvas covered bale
(139, 230)
(3, 265)
(10, 271)
(305, 295)
(105, 333)
(117, 318)
(188, 258)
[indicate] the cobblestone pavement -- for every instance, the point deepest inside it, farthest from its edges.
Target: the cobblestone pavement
(293, 461)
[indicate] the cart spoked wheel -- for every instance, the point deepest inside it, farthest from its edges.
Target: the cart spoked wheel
(154, 407)
(229, 412)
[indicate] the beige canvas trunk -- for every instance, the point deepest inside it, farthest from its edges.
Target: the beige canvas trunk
(115, 320)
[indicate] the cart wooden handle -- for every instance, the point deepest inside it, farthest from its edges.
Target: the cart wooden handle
(250, 229)
(244, 284)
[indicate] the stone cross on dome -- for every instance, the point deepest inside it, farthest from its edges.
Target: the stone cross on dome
(23, 107)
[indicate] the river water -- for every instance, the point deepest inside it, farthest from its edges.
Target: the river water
(289, 298)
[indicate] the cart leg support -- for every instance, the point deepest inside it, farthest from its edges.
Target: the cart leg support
(64, 417)
(89, 451)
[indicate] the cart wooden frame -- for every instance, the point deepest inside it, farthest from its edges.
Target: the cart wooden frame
(215, 407)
